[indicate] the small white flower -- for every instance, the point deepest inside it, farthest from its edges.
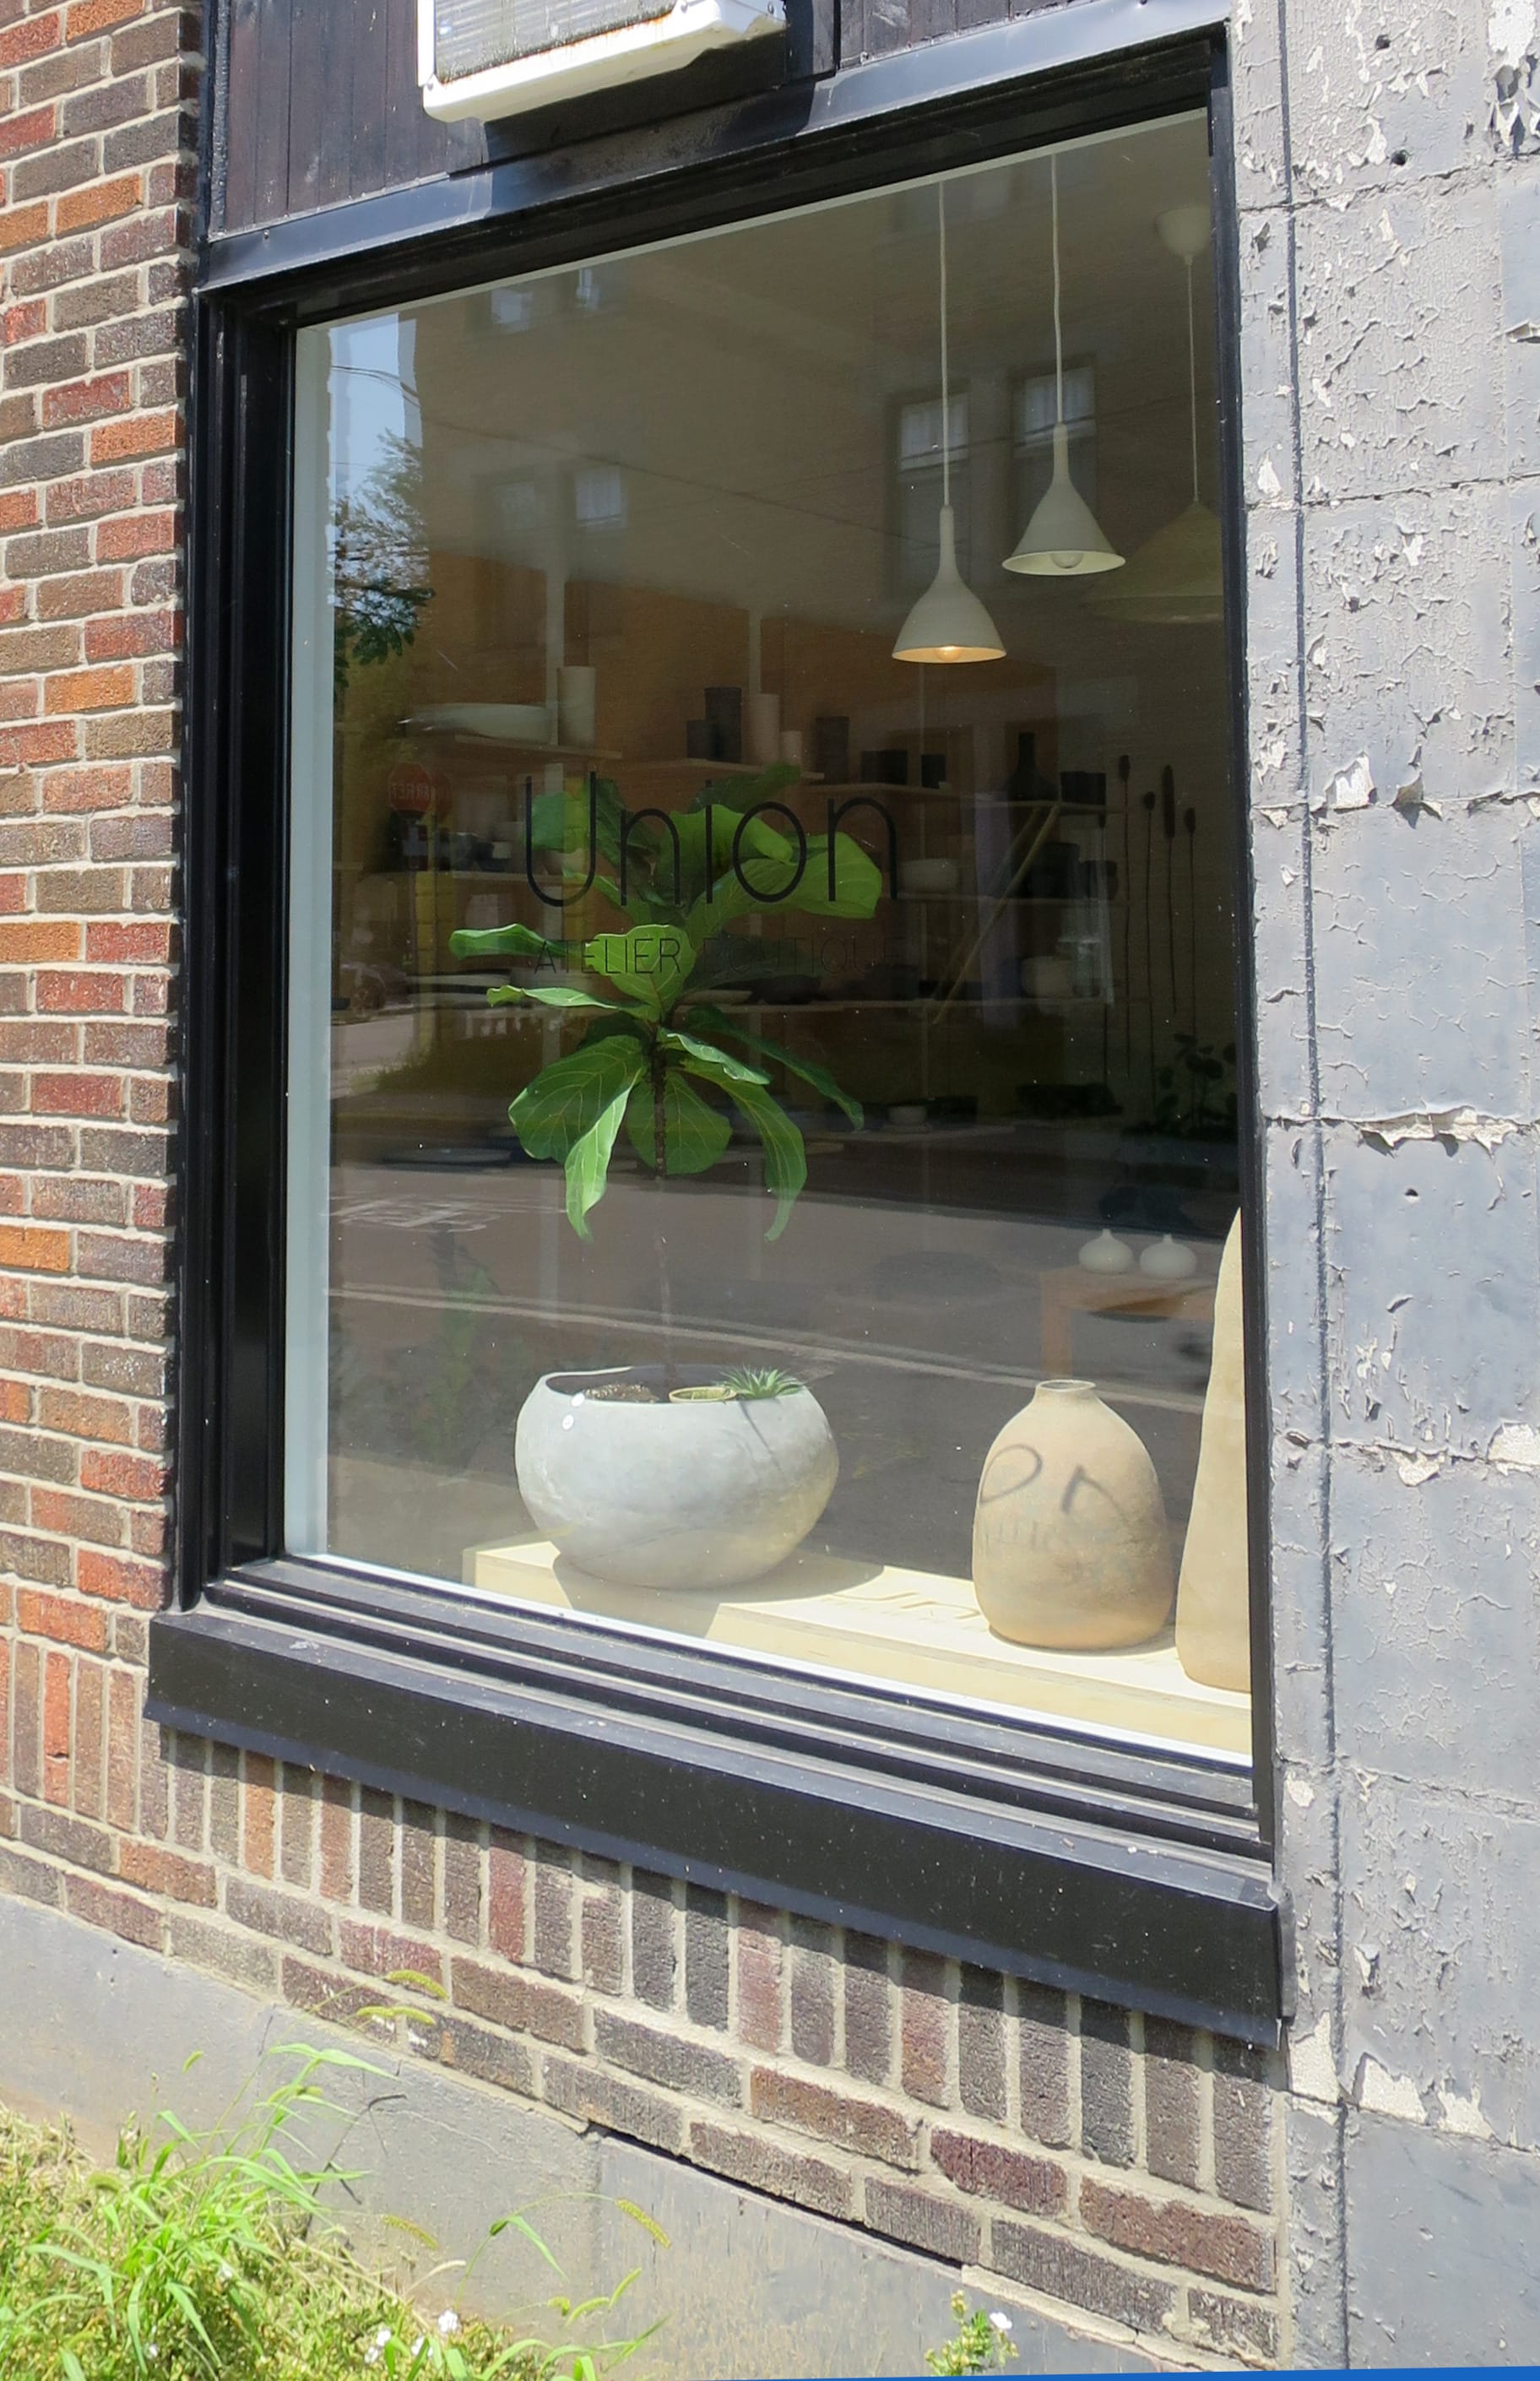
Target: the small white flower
(226, 2273)
(1001, 2324)
(371, 2356)
(383, 2337)
(151, 2351)
(417, 2344)
(449, 2323)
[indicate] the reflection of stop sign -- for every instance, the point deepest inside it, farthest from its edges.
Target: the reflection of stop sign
(412, 787)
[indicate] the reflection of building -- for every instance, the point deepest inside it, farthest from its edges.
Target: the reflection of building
(866, 1949)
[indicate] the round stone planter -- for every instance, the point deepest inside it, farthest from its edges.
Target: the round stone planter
(690, 1495)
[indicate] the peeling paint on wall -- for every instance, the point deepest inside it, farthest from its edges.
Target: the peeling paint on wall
(1451, 1125)
(1513, 38)
(1391, 2095)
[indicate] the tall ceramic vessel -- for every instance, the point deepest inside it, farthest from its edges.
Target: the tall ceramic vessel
(1213, 1600)
(1070, 1541)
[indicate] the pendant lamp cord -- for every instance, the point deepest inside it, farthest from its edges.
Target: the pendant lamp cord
(1059, 328)
(946, 377)
(1192, 380)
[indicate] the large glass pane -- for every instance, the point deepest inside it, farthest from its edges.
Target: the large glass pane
(856, 1280)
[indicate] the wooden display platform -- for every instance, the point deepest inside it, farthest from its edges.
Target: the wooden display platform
(917, 1628)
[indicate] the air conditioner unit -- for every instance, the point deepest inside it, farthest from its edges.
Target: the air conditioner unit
(488, 58)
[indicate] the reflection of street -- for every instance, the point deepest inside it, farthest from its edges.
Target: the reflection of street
(920, 1330)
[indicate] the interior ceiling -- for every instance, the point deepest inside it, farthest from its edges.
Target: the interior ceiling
(856, 285)
(745, 381)
(876, 259)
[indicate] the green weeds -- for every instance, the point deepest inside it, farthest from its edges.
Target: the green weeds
(981, 2343)
(212, 2257)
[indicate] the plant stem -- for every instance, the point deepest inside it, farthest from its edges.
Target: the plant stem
(660, 1176)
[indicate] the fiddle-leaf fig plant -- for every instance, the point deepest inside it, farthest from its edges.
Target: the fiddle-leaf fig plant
(658, 1060)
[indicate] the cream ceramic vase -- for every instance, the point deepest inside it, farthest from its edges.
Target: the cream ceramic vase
(1070, 1547)
(1213, 1599)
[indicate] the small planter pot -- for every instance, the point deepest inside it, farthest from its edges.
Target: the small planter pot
(692, 1494)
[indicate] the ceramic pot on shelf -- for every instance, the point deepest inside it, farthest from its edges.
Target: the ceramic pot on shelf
(578, 706)
(1213, 1596)
(763, 720)
(697, 1496)
(1070, 1547)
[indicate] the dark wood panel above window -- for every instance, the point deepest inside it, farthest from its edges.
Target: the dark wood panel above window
(316, 101)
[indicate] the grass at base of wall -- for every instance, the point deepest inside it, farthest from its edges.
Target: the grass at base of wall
(210, 2257)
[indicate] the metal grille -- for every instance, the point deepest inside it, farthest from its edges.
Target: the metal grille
(469, 35)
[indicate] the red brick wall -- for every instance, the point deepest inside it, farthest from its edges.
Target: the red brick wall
(1126, 2168)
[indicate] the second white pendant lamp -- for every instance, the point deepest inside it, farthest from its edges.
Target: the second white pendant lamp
(948, 623)
(1177, 576)
(1063, 539)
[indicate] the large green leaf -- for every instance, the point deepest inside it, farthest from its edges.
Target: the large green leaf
(553, 995)
(558, 822)
(588, 1159)
(818, 1076)
(650, 963)
(688, 1046)
(857, 880)
(567, 1098)
(785, 1151)
(757, 883)
(760, 882)
(694, 1134)
(755, 838)
(501, 943)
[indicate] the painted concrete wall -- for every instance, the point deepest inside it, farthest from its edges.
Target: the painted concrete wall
(1389, 158)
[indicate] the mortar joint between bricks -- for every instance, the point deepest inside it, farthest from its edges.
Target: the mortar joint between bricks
(1204, 2063)
(1138, 2093)
(1072, 2043)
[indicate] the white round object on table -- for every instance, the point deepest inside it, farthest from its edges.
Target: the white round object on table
(1106, 1253)
(1167, 1260)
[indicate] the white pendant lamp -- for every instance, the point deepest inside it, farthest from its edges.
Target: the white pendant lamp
(1062, 539)
(1177, 576)
(948, 623)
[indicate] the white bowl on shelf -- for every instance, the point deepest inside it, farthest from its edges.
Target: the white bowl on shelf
(504, 723)
(1167, 1260)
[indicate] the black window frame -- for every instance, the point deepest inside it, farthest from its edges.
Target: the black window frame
(1136, 1874)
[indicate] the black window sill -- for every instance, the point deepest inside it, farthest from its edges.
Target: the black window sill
(1131, 1875)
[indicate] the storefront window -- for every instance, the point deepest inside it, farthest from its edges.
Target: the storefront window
(763, 1121)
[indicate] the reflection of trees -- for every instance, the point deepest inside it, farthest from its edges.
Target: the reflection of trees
(379, 564)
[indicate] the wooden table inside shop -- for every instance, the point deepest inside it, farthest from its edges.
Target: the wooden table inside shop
(1070, 1290)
